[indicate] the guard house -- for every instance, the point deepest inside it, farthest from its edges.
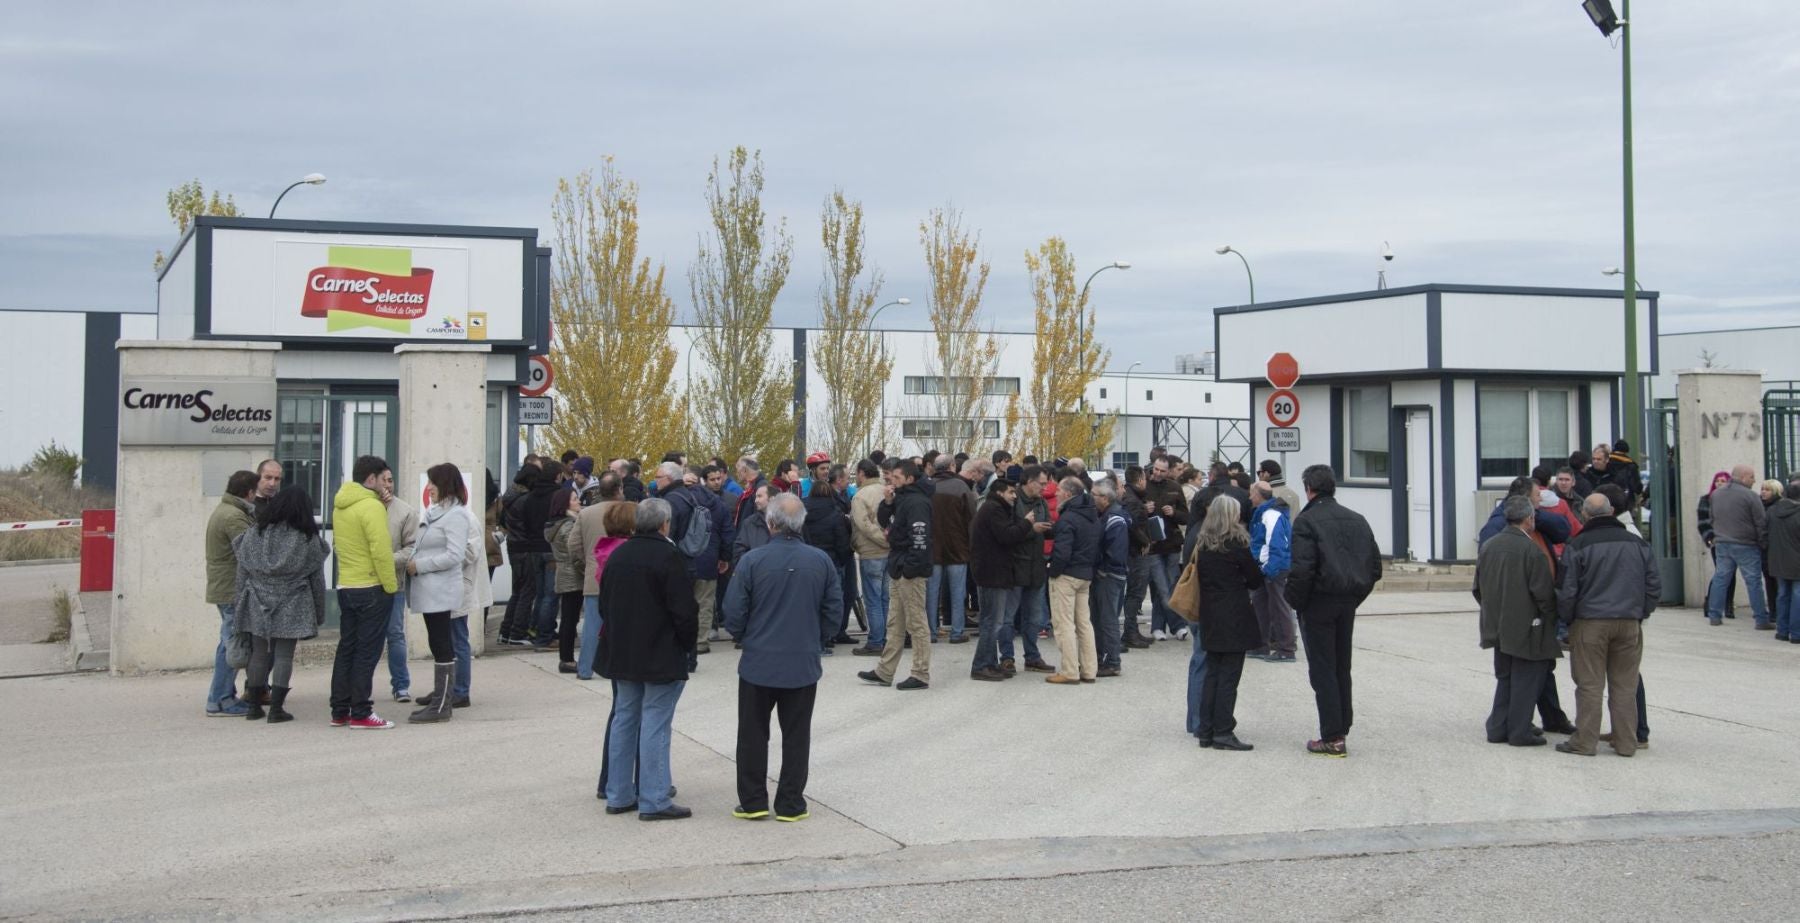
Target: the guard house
(1428, 400)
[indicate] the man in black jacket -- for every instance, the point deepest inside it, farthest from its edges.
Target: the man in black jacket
(995, 567)
(906, 515)
(1032, 613)
(1336, 565)
(648, 597)
(1610, 584)
(1137, 582)
(523, 513)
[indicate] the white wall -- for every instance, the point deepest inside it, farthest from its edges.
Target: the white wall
(1774, 351)
(1344, 338)
(1475, 328)
(43, 383)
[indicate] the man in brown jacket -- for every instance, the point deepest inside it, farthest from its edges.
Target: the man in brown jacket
(869, 540)
(953, 504)
(229, 519)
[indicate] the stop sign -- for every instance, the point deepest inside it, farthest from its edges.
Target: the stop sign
(1283, 370)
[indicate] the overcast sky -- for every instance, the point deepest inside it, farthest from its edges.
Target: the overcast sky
(1482, 140)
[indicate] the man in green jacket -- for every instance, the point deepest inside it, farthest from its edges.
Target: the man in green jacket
(1515, 583)
(366, 588)
(229, 519)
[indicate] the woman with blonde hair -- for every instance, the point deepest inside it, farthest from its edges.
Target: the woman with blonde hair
(1227, 625)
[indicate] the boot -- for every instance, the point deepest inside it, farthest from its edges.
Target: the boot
(253, 697)
(277, 698)
(439, 709)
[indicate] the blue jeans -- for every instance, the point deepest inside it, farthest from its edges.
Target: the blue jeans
(957, 576)
(459, 642)
(637, 749)
(396, 645)
(996, 603)
(590, 637)
(1165, 569)
(1196, 680)
(1028, 618)
(223, 693)
(873, 572)
(1787, 607)
(1732, 557)
(1105, 601)
(543, 617)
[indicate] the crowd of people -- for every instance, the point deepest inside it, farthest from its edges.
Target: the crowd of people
(635, 580)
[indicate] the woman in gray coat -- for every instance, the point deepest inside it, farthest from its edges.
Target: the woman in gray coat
(281, 595)
(436, 587)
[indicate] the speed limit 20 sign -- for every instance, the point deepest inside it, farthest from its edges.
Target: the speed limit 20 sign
(538, 376)
(1283, 407)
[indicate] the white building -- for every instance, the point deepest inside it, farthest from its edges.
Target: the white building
(60, 378)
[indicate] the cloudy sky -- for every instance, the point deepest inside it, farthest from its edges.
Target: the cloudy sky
(1482, 140)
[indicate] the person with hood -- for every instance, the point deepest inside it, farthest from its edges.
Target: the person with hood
(438, 581)
(828, 529)
(1106, 595)
(563, 530)
(1073, 559)
(1622, 469)
(1226, 621)
(1271, 544)
(1703, 523)
(952, 513)
(1515, 583)
(280, 595)
(906, 515)
(366, 587)
(581, 476)
(1784, 562)
(523, 513)
(994, 565)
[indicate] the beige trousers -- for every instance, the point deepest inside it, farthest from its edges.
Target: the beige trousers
(1074, 629)
(706, 597)
(906, 616)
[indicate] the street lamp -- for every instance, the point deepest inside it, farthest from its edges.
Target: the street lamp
(888, 305)
(1081, 311)
(310, 179)
(1128, 407)
(1604, 19)
(871, 329)
(1228, 249)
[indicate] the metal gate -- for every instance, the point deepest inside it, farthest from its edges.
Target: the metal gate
(1781, 434)
(1230, 439)
(1662, 460)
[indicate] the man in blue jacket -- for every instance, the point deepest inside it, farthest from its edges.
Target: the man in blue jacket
(1106, 596)
(1271, 543)
(686, 494)
(1073, 557)
(784, 597)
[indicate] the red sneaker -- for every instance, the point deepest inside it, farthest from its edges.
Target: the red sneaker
(372, 723)
(338, 721)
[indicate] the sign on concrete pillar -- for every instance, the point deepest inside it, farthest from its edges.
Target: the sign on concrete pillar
(167, 488)
(1720, 417)
(443, 418)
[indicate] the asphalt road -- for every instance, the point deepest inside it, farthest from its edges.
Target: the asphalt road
(25, 612)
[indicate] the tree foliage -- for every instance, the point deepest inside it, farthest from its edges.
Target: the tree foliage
(1053, 419)
(743, 404)
(852, 360)
(615, 367)
(965, 357)
(189, 200)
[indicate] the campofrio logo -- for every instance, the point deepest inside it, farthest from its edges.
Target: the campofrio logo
(371, 287)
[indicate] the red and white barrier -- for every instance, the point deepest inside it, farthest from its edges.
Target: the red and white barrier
(40, 524)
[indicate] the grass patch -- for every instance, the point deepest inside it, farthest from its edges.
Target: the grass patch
(63, 608)
(27, 496)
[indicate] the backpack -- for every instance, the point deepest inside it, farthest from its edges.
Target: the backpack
(699, 532)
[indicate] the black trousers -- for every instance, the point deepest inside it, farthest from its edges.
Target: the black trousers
(1326, 626)
(570, 604)
(363, 614)
(1218, 694)
(1549, 704)
(527, 573)
(437, 637)
(793, 708)
(1517, 685)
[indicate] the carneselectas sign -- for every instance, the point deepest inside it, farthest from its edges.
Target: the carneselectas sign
(196, 411)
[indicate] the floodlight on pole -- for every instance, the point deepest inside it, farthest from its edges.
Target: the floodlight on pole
(310, 179)
(1247, 274)
(1607, 21)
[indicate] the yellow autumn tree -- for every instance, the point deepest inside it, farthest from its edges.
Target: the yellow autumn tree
(614, 364)
(189, 200)
(852, 360)
(741, 401)
(964, 357)
(1054, 418)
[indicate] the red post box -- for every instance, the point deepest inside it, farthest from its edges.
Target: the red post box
(96, 550)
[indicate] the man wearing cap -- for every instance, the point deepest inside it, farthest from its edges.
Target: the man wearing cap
(581, 478)
(818, 468)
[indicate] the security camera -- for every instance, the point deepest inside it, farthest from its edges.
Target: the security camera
(1387, 252)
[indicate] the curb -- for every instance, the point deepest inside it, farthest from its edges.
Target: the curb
(82, 656)
(39, 562)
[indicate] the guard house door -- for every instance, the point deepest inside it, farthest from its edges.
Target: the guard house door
(1421, 485)
(318, 439)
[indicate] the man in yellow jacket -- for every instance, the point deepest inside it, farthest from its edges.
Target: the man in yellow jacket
(366, 588)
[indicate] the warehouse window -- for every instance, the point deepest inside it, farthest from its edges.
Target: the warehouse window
(934, 384)
(940, 429)
(1366, 432)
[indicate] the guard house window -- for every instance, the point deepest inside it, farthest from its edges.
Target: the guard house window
(1366, 436)
(1521, 427)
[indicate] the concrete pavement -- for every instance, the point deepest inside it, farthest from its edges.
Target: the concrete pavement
(124, 801)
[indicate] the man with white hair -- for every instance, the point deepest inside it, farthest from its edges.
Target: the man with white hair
(1610, 584)
(782, 600)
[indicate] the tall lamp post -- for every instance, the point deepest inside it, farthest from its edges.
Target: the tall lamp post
(1608, 22)
(871, 330)
(1128, 407)
(310, 179)
(1247, 274)
(1081, 331)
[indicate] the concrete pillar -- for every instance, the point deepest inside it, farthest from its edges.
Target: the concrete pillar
(1720, 419)
(443, 417)
(160, 619)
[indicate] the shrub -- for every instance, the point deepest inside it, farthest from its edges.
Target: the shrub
(54, 462)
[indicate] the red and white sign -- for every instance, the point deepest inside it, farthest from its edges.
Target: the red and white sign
(1283, 371)
(539, 376)
(1282, 408)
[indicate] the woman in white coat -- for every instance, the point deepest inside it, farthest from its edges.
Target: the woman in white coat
(436, 587)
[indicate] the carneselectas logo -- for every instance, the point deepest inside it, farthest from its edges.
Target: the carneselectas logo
(199, 402)
(368, 287)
